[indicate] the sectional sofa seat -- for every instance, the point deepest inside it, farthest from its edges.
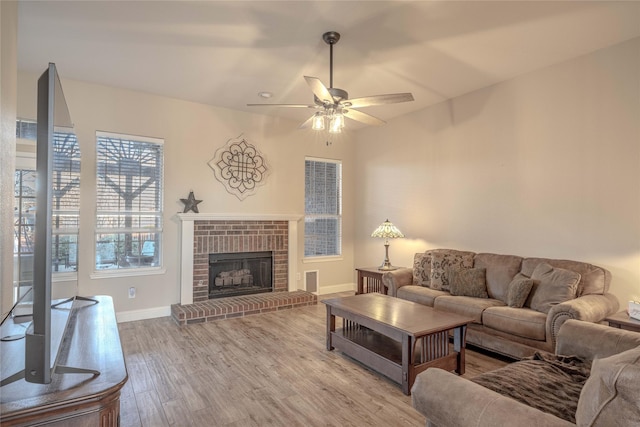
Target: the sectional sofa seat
(517, 304)
(591, 381)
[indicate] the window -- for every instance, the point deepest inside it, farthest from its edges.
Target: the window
(24, 222)
(323, 208)
(129, 202)
(65, 206)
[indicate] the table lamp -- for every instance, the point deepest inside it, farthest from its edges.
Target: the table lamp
(387, 231)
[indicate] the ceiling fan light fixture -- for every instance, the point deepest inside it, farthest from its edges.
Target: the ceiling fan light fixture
(318, 121)
(336, 123)
(332, 104)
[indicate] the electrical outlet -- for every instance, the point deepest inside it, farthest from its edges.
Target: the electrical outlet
(132, 292)
(298, 276)
(200, 282)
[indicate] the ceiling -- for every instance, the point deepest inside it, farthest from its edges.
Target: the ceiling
(223, 53)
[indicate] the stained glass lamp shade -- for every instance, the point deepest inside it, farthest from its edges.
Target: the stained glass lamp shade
(387, 231)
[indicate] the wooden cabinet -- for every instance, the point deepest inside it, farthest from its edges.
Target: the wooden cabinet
(92, 341)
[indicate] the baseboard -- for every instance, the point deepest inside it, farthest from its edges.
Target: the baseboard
(148, 313)
(345, 287)
(152, 313)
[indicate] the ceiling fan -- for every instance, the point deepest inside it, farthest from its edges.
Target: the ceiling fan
(334, 105)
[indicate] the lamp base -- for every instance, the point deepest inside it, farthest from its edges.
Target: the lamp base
(386, 264)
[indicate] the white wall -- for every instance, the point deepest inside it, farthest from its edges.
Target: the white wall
(546, 164)
(192, 133)
(8, 79)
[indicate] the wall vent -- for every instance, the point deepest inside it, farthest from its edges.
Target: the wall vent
(311, 281)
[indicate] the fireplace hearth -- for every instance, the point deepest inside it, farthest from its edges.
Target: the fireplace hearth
(240, 273)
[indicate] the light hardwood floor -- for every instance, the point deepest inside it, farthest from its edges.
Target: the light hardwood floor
(269, 369)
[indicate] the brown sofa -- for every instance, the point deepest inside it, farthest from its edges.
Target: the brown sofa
(607, 394)
(560, 290)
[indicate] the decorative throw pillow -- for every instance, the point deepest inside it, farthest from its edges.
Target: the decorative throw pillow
(518, 291)
(552, 285)
(442, 262)
(469, 282)
(421, 269)
(611, 396)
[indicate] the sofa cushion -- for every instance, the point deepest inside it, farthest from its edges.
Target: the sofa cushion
(466, 306)
(523, 322)
(552, 285)
(468, 282)
(444, 260)
(421, 269)
(547, 382)
(593, 279)
(500, 270)
(611, 395)
(519, 290)
(420, 294)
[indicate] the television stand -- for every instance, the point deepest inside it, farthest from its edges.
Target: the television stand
(92, 342)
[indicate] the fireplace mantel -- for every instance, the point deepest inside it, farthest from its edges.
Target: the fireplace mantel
(187, 221)
(237, 217)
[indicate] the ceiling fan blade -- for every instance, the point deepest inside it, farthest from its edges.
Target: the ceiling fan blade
(283, 105)
(362, 117)
(319, 89)
(367, 101)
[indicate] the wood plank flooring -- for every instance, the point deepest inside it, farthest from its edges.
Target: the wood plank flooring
(270, 369)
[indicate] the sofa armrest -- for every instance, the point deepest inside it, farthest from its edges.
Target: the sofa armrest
(395, 279)
(593, 341)
(449, 400)
(589, 308)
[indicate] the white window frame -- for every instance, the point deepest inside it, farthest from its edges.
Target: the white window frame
(338, 216)
(132, 270)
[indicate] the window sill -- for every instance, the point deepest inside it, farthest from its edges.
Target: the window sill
(131, 272)
(70, 276)
(332, 258)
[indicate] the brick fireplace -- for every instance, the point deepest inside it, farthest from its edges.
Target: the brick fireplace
(204, 234)
(214, 237)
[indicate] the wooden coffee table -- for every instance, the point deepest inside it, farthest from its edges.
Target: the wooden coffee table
(395, 337)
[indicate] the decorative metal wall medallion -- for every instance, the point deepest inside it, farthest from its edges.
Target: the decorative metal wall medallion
(240, 167)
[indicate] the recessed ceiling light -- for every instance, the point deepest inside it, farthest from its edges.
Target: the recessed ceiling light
(265, 95)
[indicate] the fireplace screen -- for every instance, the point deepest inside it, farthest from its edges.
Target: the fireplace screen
(241, 273)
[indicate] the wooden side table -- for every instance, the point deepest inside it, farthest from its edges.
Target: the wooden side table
(622, 320)
(370, 280)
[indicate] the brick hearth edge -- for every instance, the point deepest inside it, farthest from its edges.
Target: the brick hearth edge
(227, 308)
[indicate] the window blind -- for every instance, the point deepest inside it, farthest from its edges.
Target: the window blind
(129, 200)
(323, 207)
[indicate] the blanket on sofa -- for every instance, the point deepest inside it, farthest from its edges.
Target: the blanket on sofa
(545, 381)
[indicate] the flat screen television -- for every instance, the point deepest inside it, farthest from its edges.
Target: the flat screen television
(52, 112)
(36, 360)
(41, 339)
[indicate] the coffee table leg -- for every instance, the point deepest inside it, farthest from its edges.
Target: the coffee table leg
(331, 327)
(407, 372)
(459, 344)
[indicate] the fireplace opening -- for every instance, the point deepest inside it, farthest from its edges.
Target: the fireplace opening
(240, 273)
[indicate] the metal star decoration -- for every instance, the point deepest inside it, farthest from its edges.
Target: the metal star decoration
(190, 203)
